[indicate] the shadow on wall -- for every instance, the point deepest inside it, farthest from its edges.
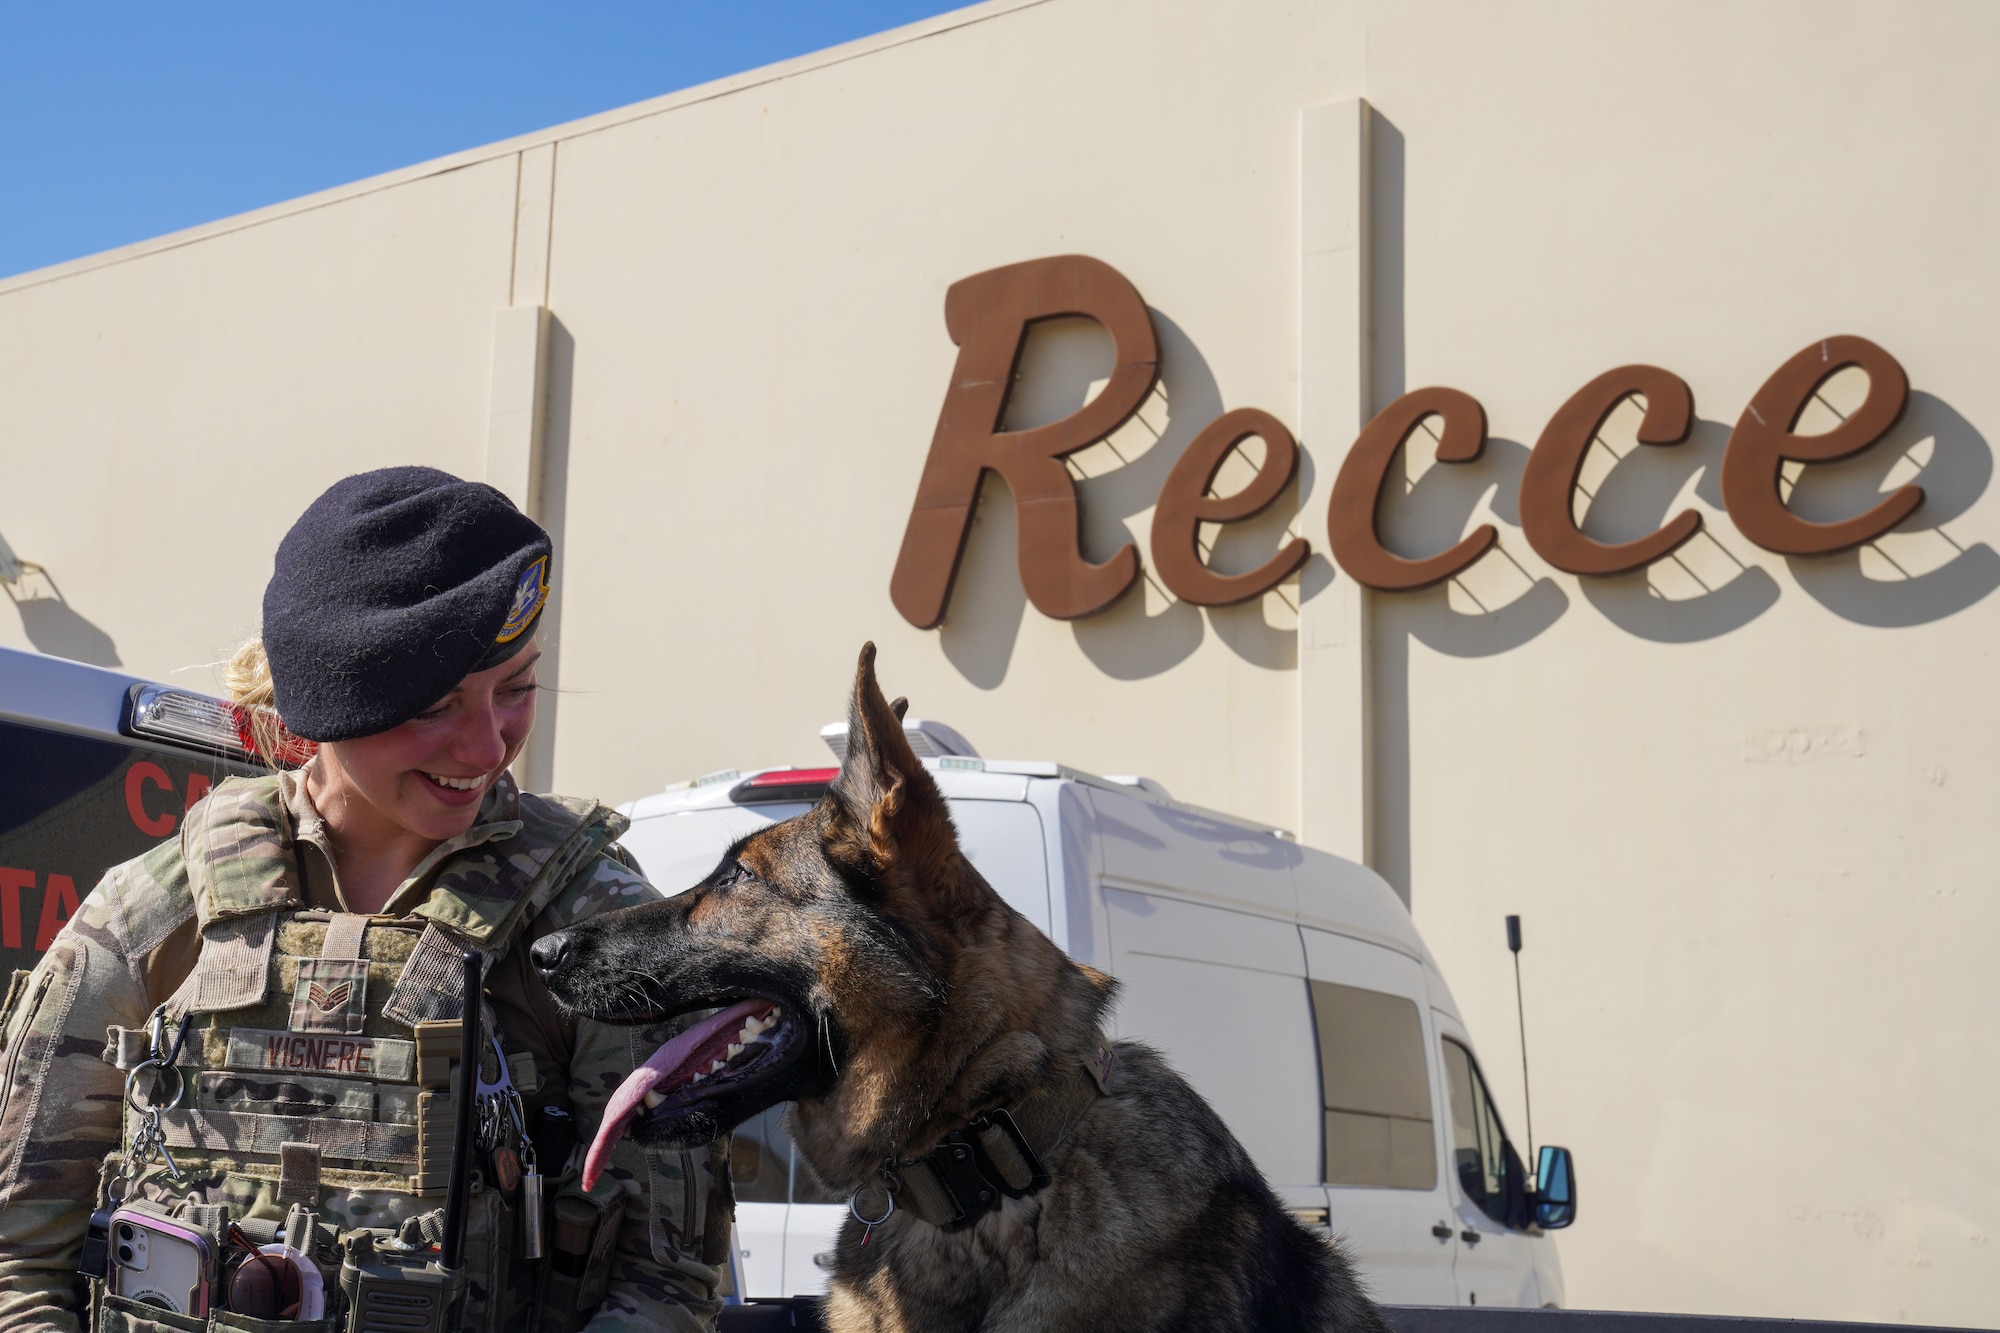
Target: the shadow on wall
(1716, 592)
(1920, 573)
(987, 599)
(1147, 631)
(1510, 606)
(536, 766)
(55, 627)
(1914, 575)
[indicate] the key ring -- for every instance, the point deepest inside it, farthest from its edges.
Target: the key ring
(868, 1225)
(854, 1206)
(132, 1083)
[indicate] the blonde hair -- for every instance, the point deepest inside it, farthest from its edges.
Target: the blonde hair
(247, 677)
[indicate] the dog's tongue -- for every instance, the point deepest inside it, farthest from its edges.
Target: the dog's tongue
(664, 1064)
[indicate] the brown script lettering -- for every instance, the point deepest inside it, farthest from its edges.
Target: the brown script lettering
(988, 316)
(1548, 484)
(1357, 491)
(1185, 505)
(1763, 442)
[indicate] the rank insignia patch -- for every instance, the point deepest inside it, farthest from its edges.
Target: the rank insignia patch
(330, 996)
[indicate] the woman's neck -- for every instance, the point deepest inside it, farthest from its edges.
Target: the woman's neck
(372, 856)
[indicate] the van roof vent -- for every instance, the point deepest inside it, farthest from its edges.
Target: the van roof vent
(1153, 785)
(931, 740)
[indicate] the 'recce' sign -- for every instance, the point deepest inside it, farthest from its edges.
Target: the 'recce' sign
(988, 315)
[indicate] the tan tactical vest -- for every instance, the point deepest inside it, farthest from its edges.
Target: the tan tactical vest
(319, 1063)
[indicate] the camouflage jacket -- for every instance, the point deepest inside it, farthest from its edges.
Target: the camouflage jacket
(252, 847)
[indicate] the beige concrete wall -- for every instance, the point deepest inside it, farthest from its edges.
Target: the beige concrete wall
(164, 419)
(754, 290)
(1744, 826)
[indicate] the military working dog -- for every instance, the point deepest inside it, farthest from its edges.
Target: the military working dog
(949, 1073)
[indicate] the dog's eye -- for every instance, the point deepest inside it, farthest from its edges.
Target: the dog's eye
(733, 873)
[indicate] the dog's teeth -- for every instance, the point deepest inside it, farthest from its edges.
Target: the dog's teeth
(734, 1050)
(653, 1100)
(716, 1067)
(697, 1078)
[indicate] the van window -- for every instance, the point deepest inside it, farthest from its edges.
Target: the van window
(71, 807)
(1476, 1134)
(1003, 840)
(1377, 1089)
(764, 1166)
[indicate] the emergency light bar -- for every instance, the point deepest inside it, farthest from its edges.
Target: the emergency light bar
(783, 786)
(928, 738)
(185, 718)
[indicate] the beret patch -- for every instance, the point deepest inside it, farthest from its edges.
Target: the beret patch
(529, 594)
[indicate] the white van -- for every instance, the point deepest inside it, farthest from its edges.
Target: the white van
(1289, 986)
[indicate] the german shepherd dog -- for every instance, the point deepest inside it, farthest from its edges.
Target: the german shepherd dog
(867, 973)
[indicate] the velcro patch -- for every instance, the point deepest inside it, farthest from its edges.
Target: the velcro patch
(314, 1053)
(331, 995)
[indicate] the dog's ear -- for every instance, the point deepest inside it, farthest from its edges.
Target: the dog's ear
(889, 820)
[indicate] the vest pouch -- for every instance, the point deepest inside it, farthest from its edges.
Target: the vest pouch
(499, 1288)
(228, 1321)
(582, 1233)
(121, 1314)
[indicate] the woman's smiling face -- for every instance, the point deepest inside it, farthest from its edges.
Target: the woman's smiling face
(428, 776)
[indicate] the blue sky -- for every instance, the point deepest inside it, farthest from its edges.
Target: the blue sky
(120, 121)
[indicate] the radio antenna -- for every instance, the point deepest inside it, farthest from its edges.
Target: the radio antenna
(461, 1146)
(1521, 1014)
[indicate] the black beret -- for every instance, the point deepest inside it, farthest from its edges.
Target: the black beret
(391, 588)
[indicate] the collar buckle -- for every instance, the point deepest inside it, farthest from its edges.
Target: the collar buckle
(957, 1166)
(997, 1134)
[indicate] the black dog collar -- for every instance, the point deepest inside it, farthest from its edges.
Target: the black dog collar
(996, 1156)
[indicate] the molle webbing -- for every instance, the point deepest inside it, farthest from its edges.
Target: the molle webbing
(298, 1173)
(232, 1132)
(343, 936)
(310, 1054)
(125, 1048)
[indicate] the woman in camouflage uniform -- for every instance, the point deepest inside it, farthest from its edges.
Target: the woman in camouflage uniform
(304, 926)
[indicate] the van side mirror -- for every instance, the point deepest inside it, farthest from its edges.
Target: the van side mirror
(1555, 1189)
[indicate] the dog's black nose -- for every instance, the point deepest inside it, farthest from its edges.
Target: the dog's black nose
(549, 952)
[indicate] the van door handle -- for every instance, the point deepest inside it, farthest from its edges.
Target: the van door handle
(1441, 1231)
(1469, 1237)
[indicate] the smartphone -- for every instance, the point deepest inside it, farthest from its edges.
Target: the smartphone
(159, 1262)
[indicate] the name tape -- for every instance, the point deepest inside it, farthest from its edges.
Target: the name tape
(300, 1052)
